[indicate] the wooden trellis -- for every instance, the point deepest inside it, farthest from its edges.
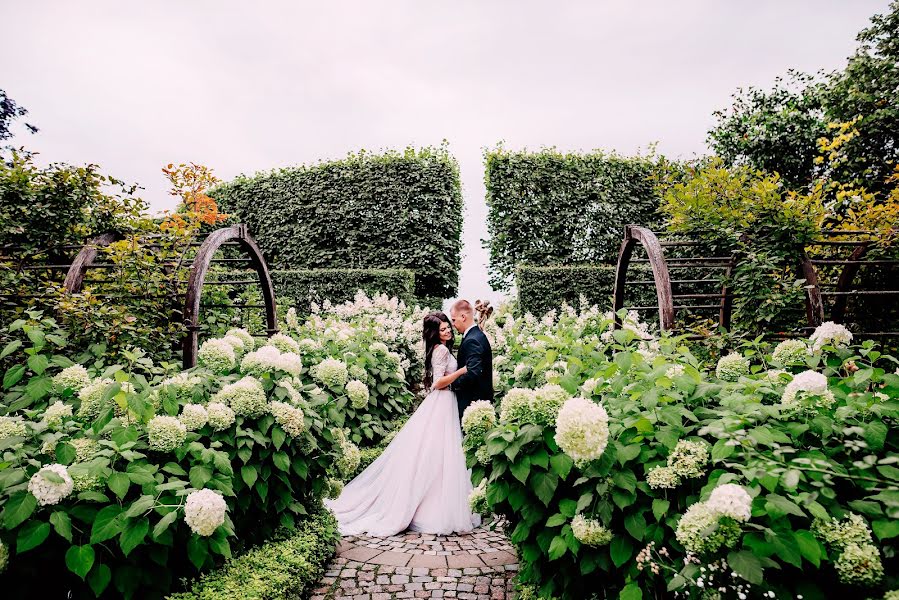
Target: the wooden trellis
(827, 298)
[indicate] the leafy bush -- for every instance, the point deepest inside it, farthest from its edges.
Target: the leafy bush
(548, 208)
(367, 211)
(541, 289)
(288, 565)
(690, 477)
(303, 287)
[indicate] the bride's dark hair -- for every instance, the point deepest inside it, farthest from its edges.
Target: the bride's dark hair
(431, 334)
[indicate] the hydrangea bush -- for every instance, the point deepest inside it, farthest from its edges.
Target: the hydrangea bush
(768, 474)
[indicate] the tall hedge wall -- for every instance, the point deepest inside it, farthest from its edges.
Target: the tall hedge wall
(304, 287)
(369, 211)
(551, 208)
(541, 289)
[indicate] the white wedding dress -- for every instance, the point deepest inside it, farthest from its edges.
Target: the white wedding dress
(420, 481)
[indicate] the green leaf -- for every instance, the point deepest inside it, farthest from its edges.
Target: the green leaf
(631, 591)
(627, 453)
(625, 480)
(778, 506)
(544, 485)
(134, 534)
(197, 551)
(10, 348)
(635, 525)
(875, 434)
(248, 474)
(18, 508)
(200, 476)
(119, 483)
(281, 461)
(65, 453)
(521, 469)
(13, 375)
(557, 548)
(174, 469)
(107, 524)
(38, 363)
(140, 506)
(62, 524)
(278, 437)
(721, 450)
(31, 535)
(164, 523)
(621, 550)
(99, 579)
(568, 507)
(80, 559)
(556, 520)
(885, 529)
(660, 508)
(561, 464)
(809, 547)
(746, 565)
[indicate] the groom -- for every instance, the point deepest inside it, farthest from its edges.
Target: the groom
(476, 354)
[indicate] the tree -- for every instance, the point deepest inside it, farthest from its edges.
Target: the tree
(9, 112)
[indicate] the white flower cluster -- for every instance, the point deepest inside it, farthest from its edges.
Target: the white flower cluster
(165, 433)
(331, 373)
(71, 378)
(290, 418)
(284, 343)
(182, 385)
(547, 402)
(515, 406)
(217, 355)
(91, 397)
(194, 416)
(631, 322)
(334, 488)
(220, 416)
(204, 511)
(4, 557)
(731, 367)
(270, 359)
(687, 460)
(731, 500)
(830, 334)
(246, 397)
(482, 455)
(12, 427)
(56, 413)
(244, 336)
(51, 484)
(357, 393)
(349, 457)
(859, 560)
(85, 448)
(309, 346)
(477, 499)
(674, 371)
(588, 388)
(237, 344)
(790, 352)
(590, 532)
(707, 526)
(478, 419)
(582, 430)
(807, 390)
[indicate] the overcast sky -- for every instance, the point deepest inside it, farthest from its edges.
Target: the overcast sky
(248, 86)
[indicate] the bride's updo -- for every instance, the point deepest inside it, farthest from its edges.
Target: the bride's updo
(431, 334)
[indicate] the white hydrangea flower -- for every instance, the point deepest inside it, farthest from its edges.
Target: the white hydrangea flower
(830, 334)
(590, 532)
(71, 378)
(859, 564)
(588, 388)
(776, 375)
(853, 529)
(482, 455)
(515, 406)
(4, 557)
(91, 397)
(379, 348)
(660, 477)
(731, 500)
(308, 345)
(477, 499)
(12, 427)
(358, 393)
(266, 359)
(85, 448)
(790, 352)
(220, 416)
(284, 343)
(334, 488)
(290, 363)
(689, 458)
(55, 414)
(521, 371)
(246, 397)
(331, 373)
(478, 419)
(194, 416)
(674, 371)
(47, 491)
(289, 417)
(183, 385)
(732, 366)
(701, 530)
(546, 403)
(204, 511)
(809, 385)
(350, 455)
(165, 433)
(582, 430)
(249, 342)
(217, 355)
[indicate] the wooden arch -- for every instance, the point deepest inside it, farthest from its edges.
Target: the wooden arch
(198, 270)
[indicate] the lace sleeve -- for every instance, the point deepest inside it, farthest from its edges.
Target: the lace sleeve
(439, 361)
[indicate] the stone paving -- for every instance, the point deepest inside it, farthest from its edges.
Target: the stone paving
(475, 566)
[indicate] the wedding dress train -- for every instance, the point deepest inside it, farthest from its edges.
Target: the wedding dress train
(420, 481)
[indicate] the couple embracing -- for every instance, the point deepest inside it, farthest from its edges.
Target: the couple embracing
(420, 481)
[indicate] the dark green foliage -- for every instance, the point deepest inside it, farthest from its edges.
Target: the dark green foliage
(550, 208)
(9, 112)
(541, 289)
(393, 210)
(288, 566)
(305, 286)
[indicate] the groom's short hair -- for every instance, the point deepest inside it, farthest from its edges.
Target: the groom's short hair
(462, 306)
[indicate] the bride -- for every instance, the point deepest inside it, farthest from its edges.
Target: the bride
(420, 481)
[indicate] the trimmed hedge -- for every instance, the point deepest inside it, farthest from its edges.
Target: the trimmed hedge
(552, 208)
(541, 289)
(392, 210)
(305, 286)
(286, 567)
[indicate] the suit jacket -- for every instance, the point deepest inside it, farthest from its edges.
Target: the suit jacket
(477, 384)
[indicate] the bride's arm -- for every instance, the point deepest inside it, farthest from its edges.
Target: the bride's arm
(446, 380)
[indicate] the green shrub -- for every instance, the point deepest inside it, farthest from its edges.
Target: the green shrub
(367, 211)
(541, 289)
(303, 287)
(287, 566)
(551, 208)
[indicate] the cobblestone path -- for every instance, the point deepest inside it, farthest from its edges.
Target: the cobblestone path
(475, 566)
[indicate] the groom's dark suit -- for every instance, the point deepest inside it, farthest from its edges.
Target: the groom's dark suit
(477, 384)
